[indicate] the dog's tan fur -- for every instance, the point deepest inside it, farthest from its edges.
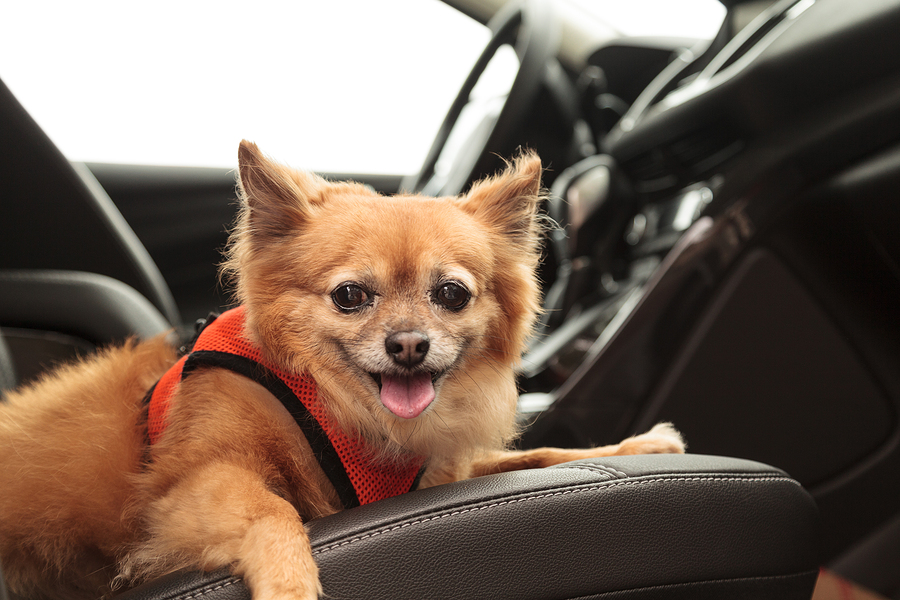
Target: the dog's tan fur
(232, 480)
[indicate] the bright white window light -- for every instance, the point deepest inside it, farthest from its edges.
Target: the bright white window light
(354, 86)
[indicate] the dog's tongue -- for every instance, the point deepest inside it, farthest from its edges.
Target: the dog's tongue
(407, 395)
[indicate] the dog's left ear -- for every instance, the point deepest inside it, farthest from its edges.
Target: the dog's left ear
(509, 201)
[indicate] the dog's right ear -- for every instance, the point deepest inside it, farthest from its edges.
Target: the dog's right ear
(277, 199)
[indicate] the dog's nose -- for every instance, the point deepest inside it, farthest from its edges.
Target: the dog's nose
(407, 348)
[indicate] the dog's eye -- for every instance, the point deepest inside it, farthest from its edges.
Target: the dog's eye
(349, 296)
(452, 295)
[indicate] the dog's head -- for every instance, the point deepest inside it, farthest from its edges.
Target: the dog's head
(409, 312)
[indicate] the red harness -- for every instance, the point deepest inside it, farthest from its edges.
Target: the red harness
(347, 461)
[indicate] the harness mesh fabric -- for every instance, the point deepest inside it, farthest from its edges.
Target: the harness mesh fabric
(371, 480)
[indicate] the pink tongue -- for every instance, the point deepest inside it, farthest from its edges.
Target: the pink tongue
(407, 396)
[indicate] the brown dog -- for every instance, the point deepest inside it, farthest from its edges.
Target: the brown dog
(380, 333)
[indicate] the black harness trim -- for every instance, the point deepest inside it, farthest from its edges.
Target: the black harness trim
(321, 446)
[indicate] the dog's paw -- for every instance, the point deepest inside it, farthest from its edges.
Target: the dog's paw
(662, 439)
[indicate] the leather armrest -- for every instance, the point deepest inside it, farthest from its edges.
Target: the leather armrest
(660, 526)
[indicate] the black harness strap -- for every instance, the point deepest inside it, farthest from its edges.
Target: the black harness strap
(418, 478)
(321, 446)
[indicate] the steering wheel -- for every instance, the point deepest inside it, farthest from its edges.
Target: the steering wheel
(530, 27)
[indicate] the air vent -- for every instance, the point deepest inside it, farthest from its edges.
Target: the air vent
(702, 151)
(685, 160)
(651, 169)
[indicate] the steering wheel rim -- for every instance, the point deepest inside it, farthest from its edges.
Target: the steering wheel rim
(531, 28)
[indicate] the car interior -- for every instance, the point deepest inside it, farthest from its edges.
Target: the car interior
(726, 259)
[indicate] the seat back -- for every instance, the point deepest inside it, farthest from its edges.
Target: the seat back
(636, 527)
(8, 377)
(56, 215)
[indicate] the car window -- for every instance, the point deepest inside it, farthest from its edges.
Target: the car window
(351, 86)
(343, 85)
(685, 18)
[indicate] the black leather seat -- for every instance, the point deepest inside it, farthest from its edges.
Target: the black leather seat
(73, 275)
(635, 527)
(55, 215)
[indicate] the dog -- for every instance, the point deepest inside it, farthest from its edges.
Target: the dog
(378, 334)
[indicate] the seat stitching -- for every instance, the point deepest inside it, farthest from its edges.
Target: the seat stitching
(604, 485)
(697, 584)
(210, 590)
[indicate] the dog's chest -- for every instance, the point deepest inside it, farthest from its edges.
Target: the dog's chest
(346, 460)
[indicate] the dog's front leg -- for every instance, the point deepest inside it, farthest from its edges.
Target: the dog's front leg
(662, 439)
(225, 514)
